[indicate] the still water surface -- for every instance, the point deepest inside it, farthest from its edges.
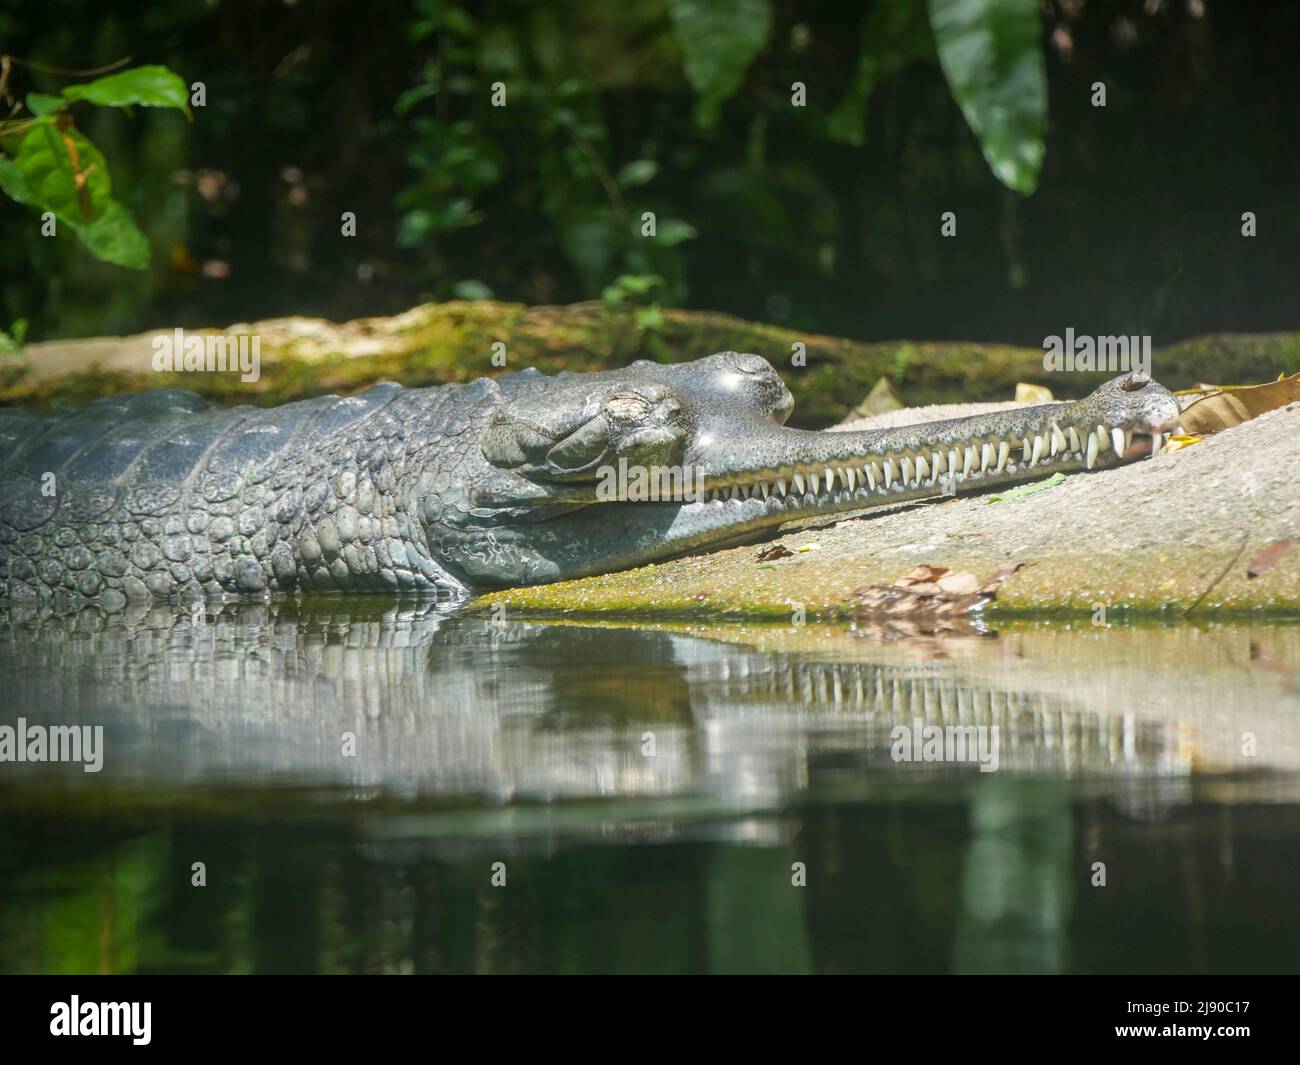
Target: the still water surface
(354, 775)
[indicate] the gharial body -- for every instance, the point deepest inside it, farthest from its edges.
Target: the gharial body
(494, 483)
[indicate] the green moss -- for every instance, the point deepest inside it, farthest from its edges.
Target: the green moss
(453, 341)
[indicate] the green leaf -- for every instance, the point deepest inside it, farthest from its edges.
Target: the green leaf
(672, 231)
(63, 172)
(13, 183)
(1029, 489)
(39, 104)
(146, 86)
(115, 238)
(649, 318)
(44, 175)
(894, 34)
(990, 54)
(637, 173)
(471, 290)
(719, 39)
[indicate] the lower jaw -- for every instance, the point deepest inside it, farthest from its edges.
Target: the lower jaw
(713, 523)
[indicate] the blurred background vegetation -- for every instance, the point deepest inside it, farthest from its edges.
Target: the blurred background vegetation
(825, 217)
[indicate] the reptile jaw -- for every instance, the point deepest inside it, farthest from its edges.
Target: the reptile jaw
(983, 461)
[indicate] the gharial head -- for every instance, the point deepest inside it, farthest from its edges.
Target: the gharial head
(587, 473)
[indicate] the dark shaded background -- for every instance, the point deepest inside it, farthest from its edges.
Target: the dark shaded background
(1135, 227)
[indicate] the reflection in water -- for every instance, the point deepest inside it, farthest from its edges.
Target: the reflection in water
(348, 772)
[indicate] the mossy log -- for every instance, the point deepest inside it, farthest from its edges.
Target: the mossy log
(454, 341)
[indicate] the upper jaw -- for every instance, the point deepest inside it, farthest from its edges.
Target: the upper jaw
(798, 469)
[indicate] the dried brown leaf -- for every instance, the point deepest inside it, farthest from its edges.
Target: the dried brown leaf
(922, 575)
(771, 554)
(1027, 393)
(959, 583)
(1232, 406)
(1267, 559)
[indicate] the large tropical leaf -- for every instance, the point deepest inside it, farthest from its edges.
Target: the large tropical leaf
(719, 39)
(992, 57)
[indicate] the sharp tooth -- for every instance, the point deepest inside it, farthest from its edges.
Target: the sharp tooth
(813, 479)
(1026, 450)
(1094, 446)
(922, 468)
(1039, 446)
(830, 478)
(1004, 452)
(1157, 441)
(872, 472)
(889, 471)
(909, 471)
(850, 478)
(764, 488)
(1058, 440)
(954, 460)
(968, 460)
(986, 456)
(735, 492)
(1118, 441)
(1074, 439)
(797, 482)
(940, 462)
(779, 486)
(746, 490)
(1103, 437)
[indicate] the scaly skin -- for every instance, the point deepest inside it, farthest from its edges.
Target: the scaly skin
(494, 483)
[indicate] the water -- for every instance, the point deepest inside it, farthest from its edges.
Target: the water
(357, 778)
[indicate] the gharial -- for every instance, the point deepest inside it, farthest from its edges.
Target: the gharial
(492, 483)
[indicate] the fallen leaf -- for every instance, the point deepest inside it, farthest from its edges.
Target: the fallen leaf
(1006, 569)
(805, 548)
(1234, 405)
(1267, 559)
(880, 400)
(1178, 441)
(1027, 393)
(1029, 489)
(921, 575)
(931, 592)
(771, 554)
(959, 584)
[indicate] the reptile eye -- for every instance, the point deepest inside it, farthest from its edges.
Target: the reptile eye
(1134, 382)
